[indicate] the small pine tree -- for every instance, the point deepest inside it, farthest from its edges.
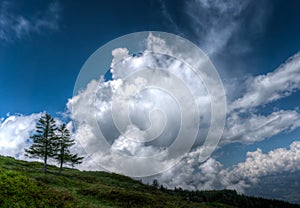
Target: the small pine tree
(44, 141)
(64, 143)
(155, 183)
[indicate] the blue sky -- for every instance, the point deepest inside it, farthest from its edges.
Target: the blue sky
(44, 44)
(41, 67)
(45, 64)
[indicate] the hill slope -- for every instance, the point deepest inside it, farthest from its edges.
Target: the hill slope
(23, 185)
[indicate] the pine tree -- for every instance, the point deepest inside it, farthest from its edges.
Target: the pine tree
(155, 183)
(44, 140)
(64, 143)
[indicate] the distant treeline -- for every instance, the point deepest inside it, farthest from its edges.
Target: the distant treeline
(229, 197)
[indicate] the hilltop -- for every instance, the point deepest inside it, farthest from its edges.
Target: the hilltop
(23, 185)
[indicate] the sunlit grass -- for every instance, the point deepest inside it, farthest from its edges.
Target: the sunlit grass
(22, 184)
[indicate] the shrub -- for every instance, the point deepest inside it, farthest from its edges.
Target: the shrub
(17, 190)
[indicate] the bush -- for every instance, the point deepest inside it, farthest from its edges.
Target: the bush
(17, 190)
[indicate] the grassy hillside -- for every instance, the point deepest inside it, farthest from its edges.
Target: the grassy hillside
(23, 185)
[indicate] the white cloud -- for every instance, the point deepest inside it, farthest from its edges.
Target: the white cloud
(14, 133)
(98, 129)
(106, 146)
(19, 25)
(253, 128)
(245, 124)
(189, 173)
(211, 174)
(216, 24)
(118, 54)
(140, 113)
(273, 86)
(259, 164)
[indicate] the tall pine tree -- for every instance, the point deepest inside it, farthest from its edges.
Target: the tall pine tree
(44, 140)
(64, 143)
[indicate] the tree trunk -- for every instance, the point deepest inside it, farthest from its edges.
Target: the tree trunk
(45, 164)
(60, 168)
(61, 158)
(45, 156)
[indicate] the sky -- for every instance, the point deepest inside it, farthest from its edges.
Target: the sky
(253, 46)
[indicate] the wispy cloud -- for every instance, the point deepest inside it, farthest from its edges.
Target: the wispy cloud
(273, 86)
(17, 25)
(216, 24)
(254, 128)
(245, 123)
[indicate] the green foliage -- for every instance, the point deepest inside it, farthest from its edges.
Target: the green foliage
(229, 197)
(64, 142)
(44, 140)
(155, 183)
(18, 190)
(52, 142)
(22, 185)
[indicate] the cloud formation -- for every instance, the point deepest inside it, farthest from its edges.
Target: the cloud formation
(273, 86)
(14, 134)
(260, 164)
(101, 133)
(17, 25)
(218, 25)
(244, 122)
(254, 128)
(190, 174)
(95, 121)
(139, 113)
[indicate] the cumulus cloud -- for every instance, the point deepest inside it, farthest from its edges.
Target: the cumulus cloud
(140, 114)
(244, 124)
(258, 164)
(18, 25)
(15, 131)
(105, 138)
(121, 146)
(190, 174)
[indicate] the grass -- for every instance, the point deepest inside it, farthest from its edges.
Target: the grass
(22, 184)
